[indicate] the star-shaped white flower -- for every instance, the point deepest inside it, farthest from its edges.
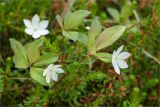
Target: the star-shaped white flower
(35, 27)
(118, 59)
(52, 71)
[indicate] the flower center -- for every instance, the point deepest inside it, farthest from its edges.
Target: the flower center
(35, 29)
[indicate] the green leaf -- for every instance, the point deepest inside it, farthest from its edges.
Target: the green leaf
(19, 62)
(114, 13)
(109, 36)
(83, 39)
(33, 51)
(127, 10)
(20, 56)
(94, 31)
(60, 21)
(45, 59)
(105, 57)
(37, 75)
(73, 20)
(71, 35)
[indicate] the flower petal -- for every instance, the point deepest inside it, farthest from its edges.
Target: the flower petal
(43, 32)
(123, 55)
(59, 70)
(36, 35)
(29, 31)
(27, 23)
(43, 24)
(50, 66)
(122, 63)
(119, 49)
(35, 20)
(45, 72)
(48, 78)
(57, 66)
(114, 63)
(54, 76)
(116, 68)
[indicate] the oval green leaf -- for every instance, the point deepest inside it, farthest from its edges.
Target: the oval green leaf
(71, 35)
(105, 57)
(33, 51)
(73, 20)
(94, 31)
(46, 59)
(37, 75)
(114, 13)
(20, 55)
(109, 36)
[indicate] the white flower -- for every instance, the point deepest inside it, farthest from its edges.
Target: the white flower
(52, 71)
(87, 28)
(118, 59)
(35, 27)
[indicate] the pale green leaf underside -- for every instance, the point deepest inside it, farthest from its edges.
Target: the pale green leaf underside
(73, 35)
(20, 62)
(46, 59)
(60, 21)
(109, 36)
(83, 38)
(127, 10)
(114, 13)
(105, 57)
(73, 20)
(37, 75)
(33, 51)
(20, 56)
(94, 31)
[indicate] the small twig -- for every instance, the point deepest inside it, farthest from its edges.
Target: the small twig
(62, 41)
(1, 59)
(136, 15)
(128, 42)
(61, 47)
(136, 24)
(20, 78)
(150, 56)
